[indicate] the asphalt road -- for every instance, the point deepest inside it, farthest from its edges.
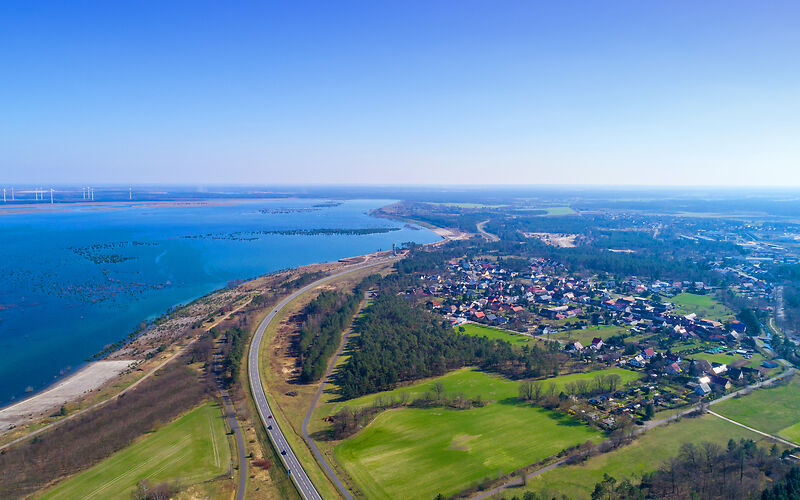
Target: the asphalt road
(489, 236)
(296, 471)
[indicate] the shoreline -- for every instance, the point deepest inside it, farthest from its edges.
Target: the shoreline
(88, 378)
(98, 373)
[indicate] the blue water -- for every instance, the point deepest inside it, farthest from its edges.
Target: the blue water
(76, 279)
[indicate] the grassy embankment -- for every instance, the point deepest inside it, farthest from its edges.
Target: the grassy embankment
(418, 453)
(643, 455)
(773, 410)
(192, 449)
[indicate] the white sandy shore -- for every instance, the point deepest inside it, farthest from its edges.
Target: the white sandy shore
(46, 402)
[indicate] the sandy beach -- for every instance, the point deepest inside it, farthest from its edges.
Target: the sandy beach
(50, 400)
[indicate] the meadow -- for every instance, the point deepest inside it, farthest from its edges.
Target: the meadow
(773, 410)
(477, 330)
(705, 306)
(643, 455)
(191, 449)
(585, 336)
(418, 453)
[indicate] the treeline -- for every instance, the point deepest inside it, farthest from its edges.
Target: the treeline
(235, 343)
(82, 442)
(742, 470)
(538, 392)
(325, 319)
(398, 342)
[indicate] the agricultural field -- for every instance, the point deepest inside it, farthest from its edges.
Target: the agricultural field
(643, 455)
(477, 330)
(705, 306)
(585, 336)
(191, 449)
(418, 453)
(772, 410)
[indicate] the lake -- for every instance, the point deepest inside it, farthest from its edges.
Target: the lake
(76, 278)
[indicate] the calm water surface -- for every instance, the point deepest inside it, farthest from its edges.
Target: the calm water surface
(78, 279)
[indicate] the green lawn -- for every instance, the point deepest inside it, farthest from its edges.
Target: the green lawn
(726, 359)
(705, 306)
(773, 410)
(477, 330)
(191, 449)
(643, 455)
(585, 336)
(418, 453)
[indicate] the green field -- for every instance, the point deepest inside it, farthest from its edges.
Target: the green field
(473, 383)
(465, 205)
(771, 410)
(191, 449)
(705, 306)
(643, 455)
(550, 210)
(477, 330)
(418, 453)
(585, 336)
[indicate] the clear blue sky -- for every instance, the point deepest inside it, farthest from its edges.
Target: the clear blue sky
(616, 92)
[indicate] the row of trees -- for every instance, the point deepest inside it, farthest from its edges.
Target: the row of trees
(599, 384)
(236, 339)
(325, 318)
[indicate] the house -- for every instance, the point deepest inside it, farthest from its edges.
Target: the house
(597, 343)
(702, 389)
(719, 369)
(649, 353)
(720, 383)
(673, 369)
(576, 346)
(737, 326)
(480, 314)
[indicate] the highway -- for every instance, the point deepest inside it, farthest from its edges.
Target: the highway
(276, 435)
(489, 236)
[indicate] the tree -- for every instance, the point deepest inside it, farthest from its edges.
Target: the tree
(526, 390)
(438, 389)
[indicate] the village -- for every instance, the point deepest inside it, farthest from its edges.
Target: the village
(649, 327)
